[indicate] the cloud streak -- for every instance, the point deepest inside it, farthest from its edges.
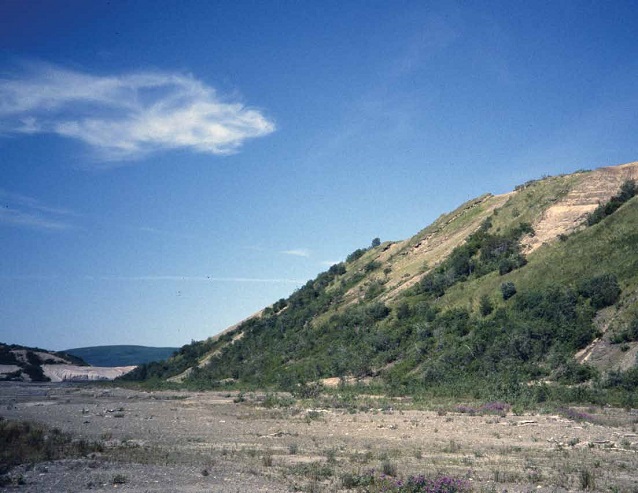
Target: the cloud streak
(23, 211)
(156, 278)
(128, 116)
(297, 252)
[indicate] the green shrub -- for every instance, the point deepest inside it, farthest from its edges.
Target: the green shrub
(119, 479)
(602, 290)
(627, 191)
(485, 305)
(389, 468)
(628, 334)
(508, 289)
(357, 254)
(626, 380)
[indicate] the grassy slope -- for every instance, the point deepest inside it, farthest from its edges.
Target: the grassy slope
(329, 327)
(608, 247)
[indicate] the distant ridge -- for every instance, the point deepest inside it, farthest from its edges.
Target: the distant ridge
(121, 355)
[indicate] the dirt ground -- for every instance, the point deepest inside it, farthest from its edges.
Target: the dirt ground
(173, 441)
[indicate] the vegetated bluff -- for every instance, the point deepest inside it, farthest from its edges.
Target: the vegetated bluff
(536, 285)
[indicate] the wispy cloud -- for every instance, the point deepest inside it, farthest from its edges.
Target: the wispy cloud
(159, 278)
(156, 278)
(126, 116)
(297, 252)
(164, 232)
(21, 210)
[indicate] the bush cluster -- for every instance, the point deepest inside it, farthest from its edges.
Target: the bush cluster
(481, 254)
(627, 191)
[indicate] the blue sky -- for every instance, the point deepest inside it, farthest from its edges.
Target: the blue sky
(169, 168)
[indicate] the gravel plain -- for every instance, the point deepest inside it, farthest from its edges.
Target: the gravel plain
(173, 441)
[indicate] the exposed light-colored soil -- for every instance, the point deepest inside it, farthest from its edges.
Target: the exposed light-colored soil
(204, 441)
(64, 373)
(569, 213)
(436, 246)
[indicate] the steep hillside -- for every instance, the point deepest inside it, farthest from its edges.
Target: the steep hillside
(536, 285)
(121, 355)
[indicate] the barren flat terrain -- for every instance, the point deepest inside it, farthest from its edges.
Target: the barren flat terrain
(167, 441)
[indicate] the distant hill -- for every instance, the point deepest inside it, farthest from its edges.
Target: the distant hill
(121, 355)
(27, 364)
(526, 296)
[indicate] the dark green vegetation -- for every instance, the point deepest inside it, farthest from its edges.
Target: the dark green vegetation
(627, 192)
(486, 321)
(121, 355)
(482, 253)
(29, 362)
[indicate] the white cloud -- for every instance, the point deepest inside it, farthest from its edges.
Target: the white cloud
(126, 116)
(297, 252)
(20, 210)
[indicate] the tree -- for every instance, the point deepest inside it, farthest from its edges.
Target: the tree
(376, 242)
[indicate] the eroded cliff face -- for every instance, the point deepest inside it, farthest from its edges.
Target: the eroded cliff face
(569, 212)
(72, 373)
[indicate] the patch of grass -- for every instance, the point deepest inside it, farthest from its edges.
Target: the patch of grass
(312, 416)
(267, 460)
(389, 468)
(375, 482)
(119, 479)
(452, 447)
(587, 479)
(331, 456)
(26, 442)
(276, 400)
(315, 471)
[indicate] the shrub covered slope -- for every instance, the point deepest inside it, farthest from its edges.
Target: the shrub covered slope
(475, 304)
